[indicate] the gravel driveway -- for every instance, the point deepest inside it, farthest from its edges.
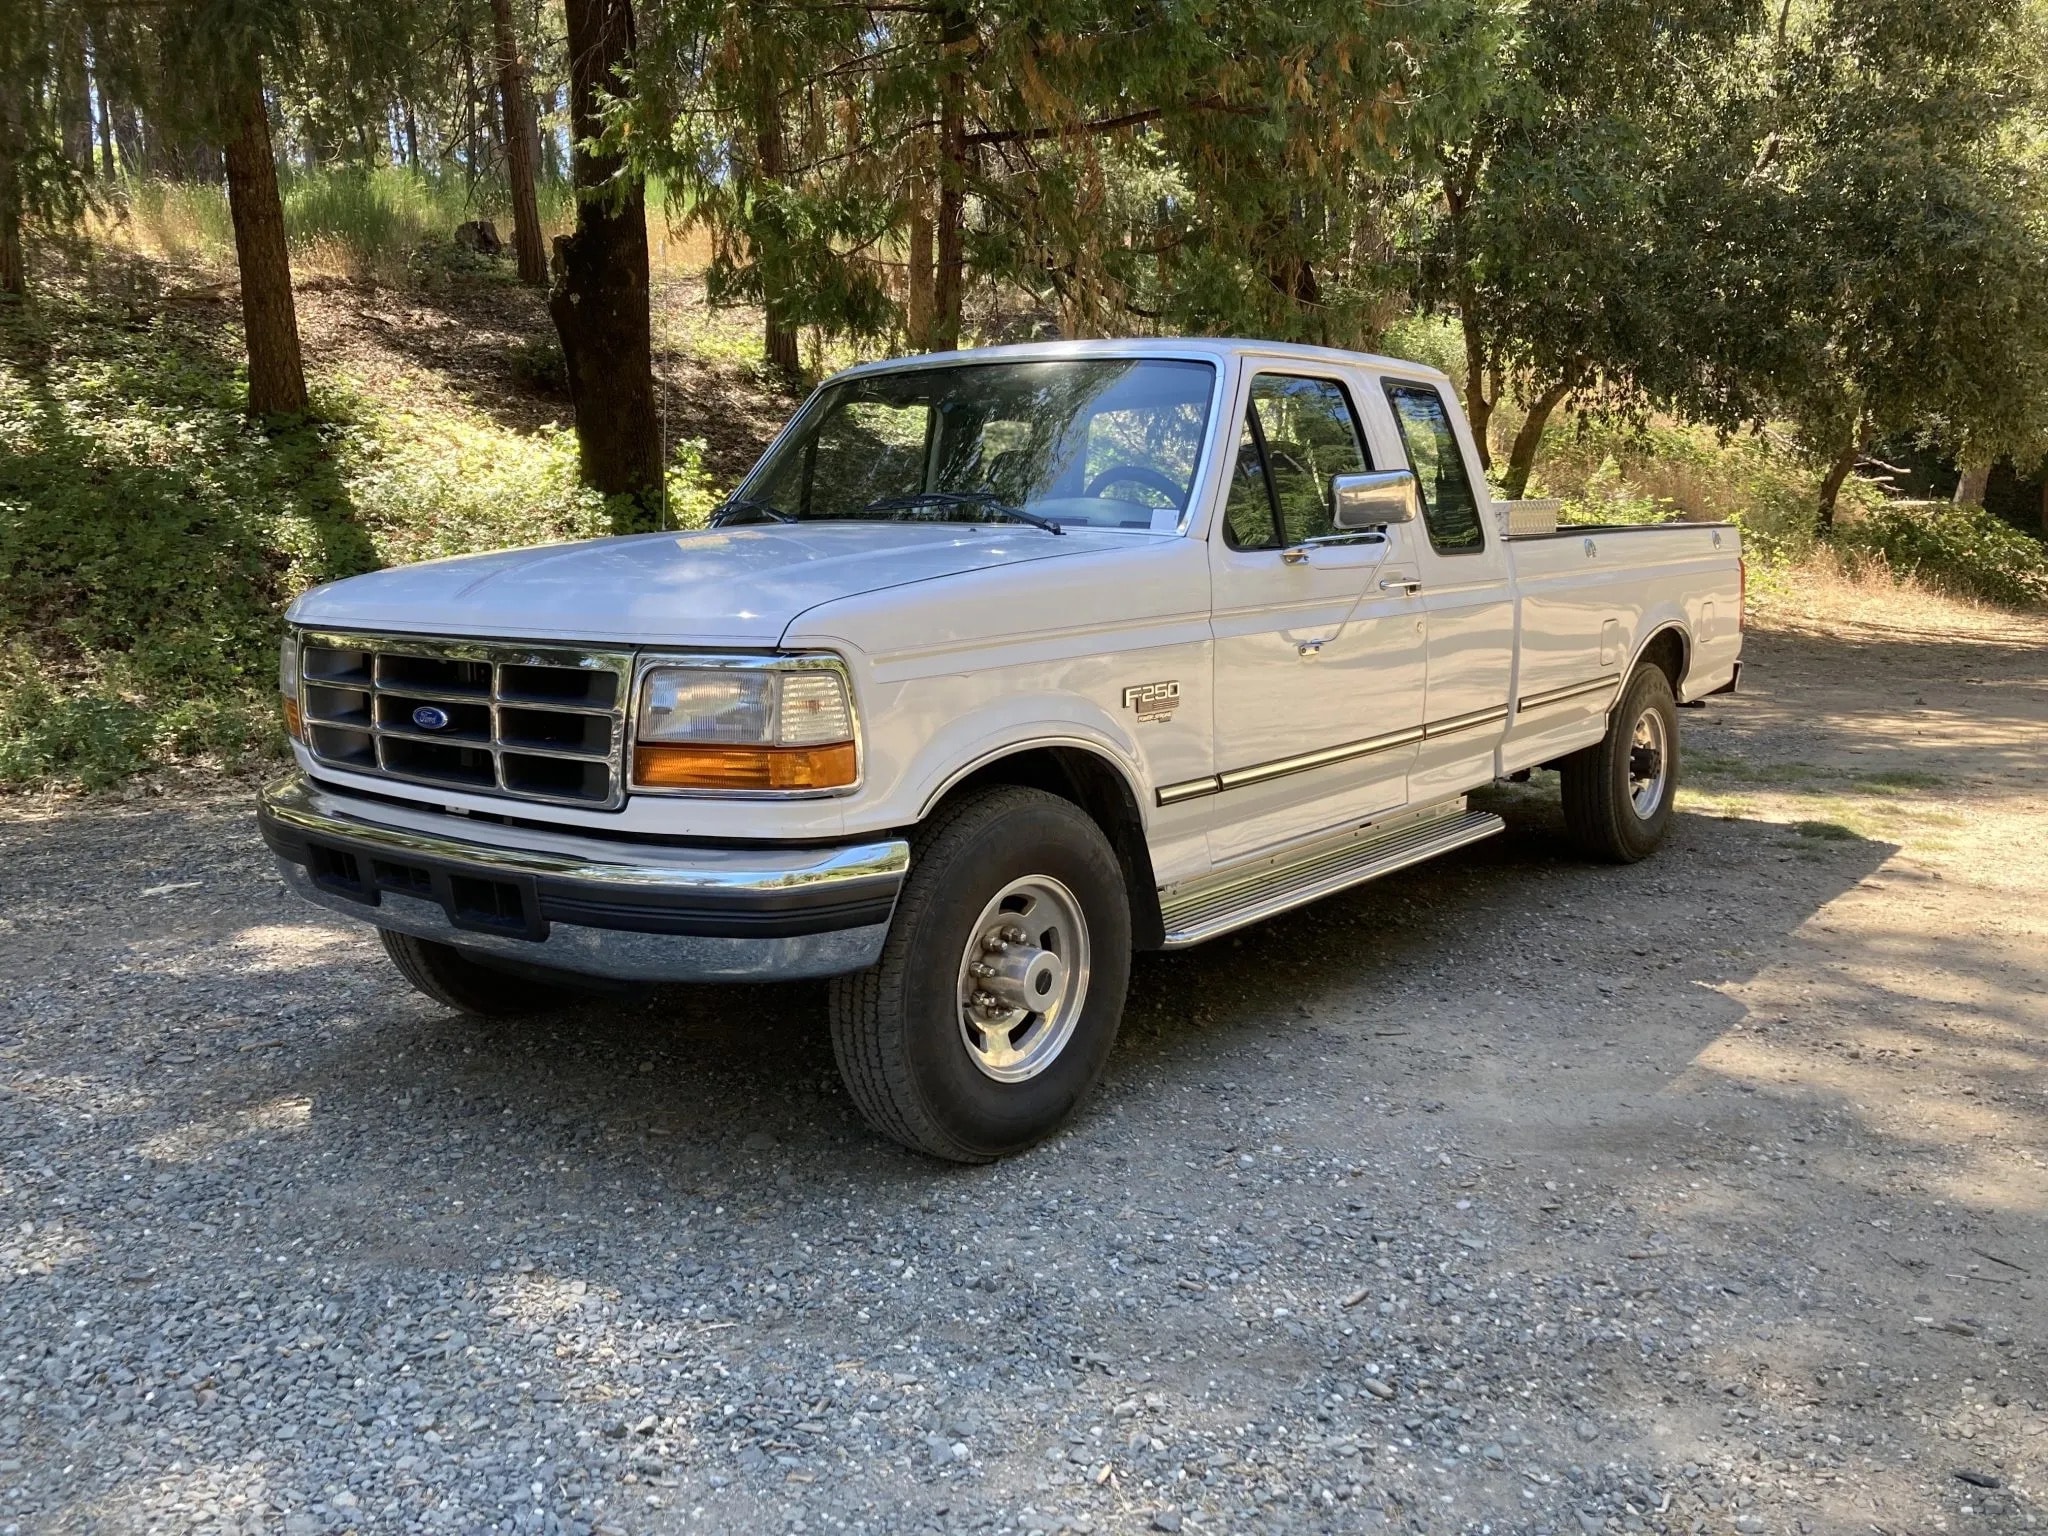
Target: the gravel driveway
(1506, 1195)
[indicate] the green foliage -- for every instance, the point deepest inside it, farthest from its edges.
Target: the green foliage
(1614, 470)
(1964, 550)
(372, 216)
(1878, 231)
(150, 535)
(1618, 469)
(1210, 169)
(1543, 222)
(538, 365)
(1421, 337)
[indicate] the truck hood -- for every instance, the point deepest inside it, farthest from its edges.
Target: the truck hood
(718, 586)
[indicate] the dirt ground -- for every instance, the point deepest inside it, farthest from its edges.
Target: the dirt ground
(1507, 1194)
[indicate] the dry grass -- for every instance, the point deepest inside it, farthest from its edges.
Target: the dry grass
(1827, 592)
(353, 229)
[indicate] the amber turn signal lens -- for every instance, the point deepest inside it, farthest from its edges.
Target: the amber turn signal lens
(293, 726)
(696, 767)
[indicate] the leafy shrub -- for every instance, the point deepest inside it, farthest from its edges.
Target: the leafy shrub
(1431, 339)
(538, 365)
(1964, 550)
(150, 535)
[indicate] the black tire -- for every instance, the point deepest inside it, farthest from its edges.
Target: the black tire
(1599, 800)
(448, 976)
(897, 1027)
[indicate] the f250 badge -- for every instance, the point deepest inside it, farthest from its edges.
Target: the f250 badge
(1153, 701)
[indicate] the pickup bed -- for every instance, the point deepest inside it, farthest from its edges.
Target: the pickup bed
(998, 666)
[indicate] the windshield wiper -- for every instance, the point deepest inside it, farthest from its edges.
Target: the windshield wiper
(743, 509)
(986, 500)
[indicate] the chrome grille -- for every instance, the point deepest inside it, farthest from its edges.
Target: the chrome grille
(494, 718)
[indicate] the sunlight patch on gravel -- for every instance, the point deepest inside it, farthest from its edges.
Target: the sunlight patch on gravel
(224, 1498)
(290, 1115)
(531, 1302)
(80, 1093)
(33, 1249)
(273, 948)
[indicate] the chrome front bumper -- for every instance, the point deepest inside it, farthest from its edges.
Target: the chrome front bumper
(560, 900)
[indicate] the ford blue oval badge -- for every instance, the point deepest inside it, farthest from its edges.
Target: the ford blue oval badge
(428, 718)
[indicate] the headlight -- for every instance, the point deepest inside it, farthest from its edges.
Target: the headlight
(766, 727)
(288, 684)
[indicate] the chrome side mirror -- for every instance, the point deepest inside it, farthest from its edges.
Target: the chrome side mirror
(1374, 500)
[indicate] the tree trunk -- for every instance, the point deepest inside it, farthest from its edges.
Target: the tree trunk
(1478, 403)
(270, 322)
(517, 106)
(106, 132)
(956, 32)
(1838, 473)
(1976, 475)
(917, 312)
(550, 146)
(470, 137)
(778, 336)
(1528, 439)
(412, 136)
(13, 261)
(129, 145)
(600, 298)
(74, 96)
(103, 118)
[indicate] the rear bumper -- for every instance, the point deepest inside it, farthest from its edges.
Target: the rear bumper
(630, 911)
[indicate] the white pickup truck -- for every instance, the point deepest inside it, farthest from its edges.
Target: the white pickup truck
(997, 667)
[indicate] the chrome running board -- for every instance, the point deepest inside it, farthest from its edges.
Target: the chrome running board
(1201, 909)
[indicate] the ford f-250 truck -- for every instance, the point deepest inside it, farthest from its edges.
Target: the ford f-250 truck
(997, 667)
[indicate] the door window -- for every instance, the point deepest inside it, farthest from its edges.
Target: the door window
(1449, 509)
(1248, 520)
(1298, 433)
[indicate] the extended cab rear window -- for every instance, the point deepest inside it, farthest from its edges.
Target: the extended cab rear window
(1450, 511)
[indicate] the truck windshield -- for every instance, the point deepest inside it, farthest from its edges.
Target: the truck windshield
(1086, 442)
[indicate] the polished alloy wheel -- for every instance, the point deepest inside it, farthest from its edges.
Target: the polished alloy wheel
(1649, 763)
(1023, 979)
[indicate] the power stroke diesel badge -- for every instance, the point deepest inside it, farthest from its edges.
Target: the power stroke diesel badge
(1153, 701)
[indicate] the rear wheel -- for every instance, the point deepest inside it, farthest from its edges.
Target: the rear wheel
(998, 994)
(1619, 791)
(448, 976)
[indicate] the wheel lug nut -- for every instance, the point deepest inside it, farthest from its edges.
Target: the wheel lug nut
(994, 944)
(982, 969)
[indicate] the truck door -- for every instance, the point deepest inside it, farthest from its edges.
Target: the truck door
(1319, 652)
(1465, 595)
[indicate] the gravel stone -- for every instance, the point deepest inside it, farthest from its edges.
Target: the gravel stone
(286, 1248)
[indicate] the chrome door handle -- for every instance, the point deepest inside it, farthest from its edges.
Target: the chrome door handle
(1400, 584)
(1294, 555)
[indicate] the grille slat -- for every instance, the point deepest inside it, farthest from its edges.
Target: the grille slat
(531, 723)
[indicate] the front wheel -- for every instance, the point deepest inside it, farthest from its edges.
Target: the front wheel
(1618, 792)
(998, 994)
(448, 976)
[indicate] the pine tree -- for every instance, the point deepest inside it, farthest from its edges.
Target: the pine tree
(600, 297)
